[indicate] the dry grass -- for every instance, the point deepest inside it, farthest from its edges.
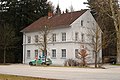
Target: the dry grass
(13, 77)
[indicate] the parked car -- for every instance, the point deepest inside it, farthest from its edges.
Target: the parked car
(40, 61)
(113, 59)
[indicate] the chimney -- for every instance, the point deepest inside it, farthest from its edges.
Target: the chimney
(50, 14)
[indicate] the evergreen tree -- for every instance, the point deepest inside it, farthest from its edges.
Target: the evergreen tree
(58, 10)
(20, 14)
(66, 11)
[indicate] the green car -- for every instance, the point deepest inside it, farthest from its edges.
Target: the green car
(40, 61)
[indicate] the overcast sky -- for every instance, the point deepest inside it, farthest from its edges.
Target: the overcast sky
(77, 4)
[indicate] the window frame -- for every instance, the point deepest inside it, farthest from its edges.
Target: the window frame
(63, 36)
(53, 53)
(28, 54)
(29, 39)
(82, 22)
(76, 52)
(36, 54)
(82, 37)
(36, 38)
(53, 37)
(76, 36)
(64, 55)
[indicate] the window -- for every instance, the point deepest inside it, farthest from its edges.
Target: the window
(29, 39)
(63, 53)
(76, 53)
(53, 37)
(36, 38)
(76, 36)
(36, 53)
(81, 22)
(53, 53)
(82, 37)
(63, 36)
(28, 53)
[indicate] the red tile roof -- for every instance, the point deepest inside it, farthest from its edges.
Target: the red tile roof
(56, 21)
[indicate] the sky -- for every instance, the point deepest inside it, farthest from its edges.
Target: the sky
(63, 4)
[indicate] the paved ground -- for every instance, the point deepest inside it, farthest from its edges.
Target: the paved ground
(111, 73)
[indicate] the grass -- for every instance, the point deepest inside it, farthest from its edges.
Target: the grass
(14, 77)
(116, 64)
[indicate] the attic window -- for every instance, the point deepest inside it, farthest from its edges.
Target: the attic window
(81, 22)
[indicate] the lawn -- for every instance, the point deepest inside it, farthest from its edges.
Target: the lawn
(13, 77)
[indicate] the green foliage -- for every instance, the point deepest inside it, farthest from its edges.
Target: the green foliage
(8, 39)
(20, 14)
(7, 36)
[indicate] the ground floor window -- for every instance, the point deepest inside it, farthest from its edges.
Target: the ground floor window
(53, 53)
(76, 53)
(63, 53)
(28, 53)
(36, 53)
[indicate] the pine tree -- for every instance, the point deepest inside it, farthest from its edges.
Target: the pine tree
(20, 14)
(58, 10)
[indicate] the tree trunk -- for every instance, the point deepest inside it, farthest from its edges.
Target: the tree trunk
(45, 46)
(4, 55)
(118, 47)
(118, 39)
(95, 59)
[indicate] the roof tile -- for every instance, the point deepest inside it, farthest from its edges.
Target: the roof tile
(56, 21)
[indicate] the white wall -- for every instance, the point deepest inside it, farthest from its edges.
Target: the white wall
(70, 45)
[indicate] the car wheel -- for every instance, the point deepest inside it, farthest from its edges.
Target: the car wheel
(43, 63)
(30, 63)
(48, 64)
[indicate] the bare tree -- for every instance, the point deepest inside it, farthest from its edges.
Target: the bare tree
(83, 56)
(43, 40)
(111, 9)
(7, 38)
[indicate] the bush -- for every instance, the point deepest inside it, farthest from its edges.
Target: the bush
(71, 62)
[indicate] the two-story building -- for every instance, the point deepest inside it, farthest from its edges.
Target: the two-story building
(68, 32)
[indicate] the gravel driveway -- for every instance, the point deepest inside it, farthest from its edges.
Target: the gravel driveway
(111, 73)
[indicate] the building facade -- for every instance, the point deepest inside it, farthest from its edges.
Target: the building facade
(69, 32)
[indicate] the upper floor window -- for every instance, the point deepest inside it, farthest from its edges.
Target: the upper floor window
(76, 53)
(36, 38)
(76, 36)
(28, 53)
(29, 39)
(82, 37)
(53, 53)
(36, 53)
(53, 37)
(63, 53)
(63, 36)
(81, 22)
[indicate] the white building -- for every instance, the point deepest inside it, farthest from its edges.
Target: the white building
(69, 31)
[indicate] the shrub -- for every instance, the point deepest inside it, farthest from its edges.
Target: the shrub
(71, 62)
